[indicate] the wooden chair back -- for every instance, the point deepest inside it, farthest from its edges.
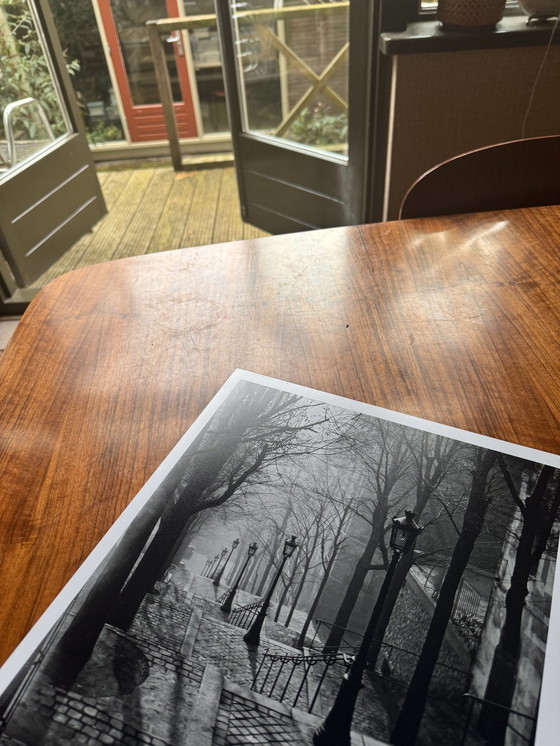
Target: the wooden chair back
(519, 173)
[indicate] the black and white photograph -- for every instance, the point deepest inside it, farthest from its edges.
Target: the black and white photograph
(306, 569)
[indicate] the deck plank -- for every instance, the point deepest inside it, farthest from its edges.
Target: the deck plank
(110, 232)
(155, 209)
(199, 229)
(228, 225)
(174, 216)
(141, 233)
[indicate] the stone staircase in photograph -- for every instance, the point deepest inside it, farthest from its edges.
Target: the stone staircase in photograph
(180, 676)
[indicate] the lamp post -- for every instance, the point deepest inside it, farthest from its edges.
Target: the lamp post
(335, 728)
(216, 562)
(226, 606)
(253, 634)
(218, 575)
(206, 567)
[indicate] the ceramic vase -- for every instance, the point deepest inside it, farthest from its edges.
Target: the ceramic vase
(470, 15)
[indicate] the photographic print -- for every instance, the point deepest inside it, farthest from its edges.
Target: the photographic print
(306, 569)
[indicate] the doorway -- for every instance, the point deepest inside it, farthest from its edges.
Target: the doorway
(298, 81)
(127, 38)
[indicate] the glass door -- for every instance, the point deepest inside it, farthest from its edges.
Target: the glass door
(297, 77)
(33, 115)
(49, 191)
(124, 22)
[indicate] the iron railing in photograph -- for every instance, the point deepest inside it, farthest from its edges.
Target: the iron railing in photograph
(399, 664)
(345, 645)
(521, 727)
(393, 661)
(288, 676)
(469, 602)
(468, 613)
(243, 616)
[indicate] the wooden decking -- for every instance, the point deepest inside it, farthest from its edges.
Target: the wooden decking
(154, 209)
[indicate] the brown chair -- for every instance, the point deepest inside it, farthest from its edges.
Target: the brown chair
(520, 173)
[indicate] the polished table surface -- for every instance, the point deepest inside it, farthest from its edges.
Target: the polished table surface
(453, 319)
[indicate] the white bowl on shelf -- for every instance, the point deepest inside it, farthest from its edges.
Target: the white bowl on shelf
(540, 8)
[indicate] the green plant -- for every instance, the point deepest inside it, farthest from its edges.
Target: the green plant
(104, 133)
(317, 126)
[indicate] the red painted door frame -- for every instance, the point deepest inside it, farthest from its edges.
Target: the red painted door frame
(146, 122)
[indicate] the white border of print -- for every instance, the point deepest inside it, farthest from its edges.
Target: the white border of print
(548, 723)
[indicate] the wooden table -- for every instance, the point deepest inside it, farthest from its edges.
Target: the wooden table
(453, 319)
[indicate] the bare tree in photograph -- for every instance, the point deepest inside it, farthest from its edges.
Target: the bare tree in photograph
(538, 510)
(309, 523)
(268, 427)
(301, 561)
(482, 489)
(333, 539)
(435, 460)
(382, 456)
(276, 536)
(261, 425)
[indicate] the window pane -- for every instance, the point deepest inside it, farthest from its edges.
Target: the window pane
(32, 113)
(293, 67)
(130, 20)
(207, 64)
(79, 36)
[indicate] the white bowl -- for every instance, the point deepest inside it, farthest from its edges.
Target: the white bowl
(540, 8)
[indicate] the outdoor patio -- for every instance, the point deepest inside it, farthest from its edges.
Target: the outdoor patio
(151, 208)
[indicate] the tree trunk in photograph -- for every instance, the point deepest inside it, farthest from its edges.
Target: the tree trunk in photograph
(355, 584)
(77, 643)
(205, 471)
(270, 566)
(336, 545)
(502, 678)
(239, 561)
(408, 722)
(301, 583)
(253, 578)
(281, 600)
(295, 601)
(301, 639)
(397, 583)
(167, 560)
(431, 476)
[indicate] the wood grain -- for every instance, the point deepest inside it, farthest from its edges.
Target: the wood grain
(454, 319)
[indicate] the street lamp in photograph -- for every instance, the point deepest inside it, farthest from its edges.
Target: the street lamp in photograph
(253, 634)
(226, 606)
(216, 564)
(336, 727)
(220, 572)
(206, 567)
(213, 563)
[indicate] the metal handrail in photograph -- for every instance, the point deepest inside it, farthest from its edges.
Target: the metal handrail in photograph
(243, 616)
(276, 664)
